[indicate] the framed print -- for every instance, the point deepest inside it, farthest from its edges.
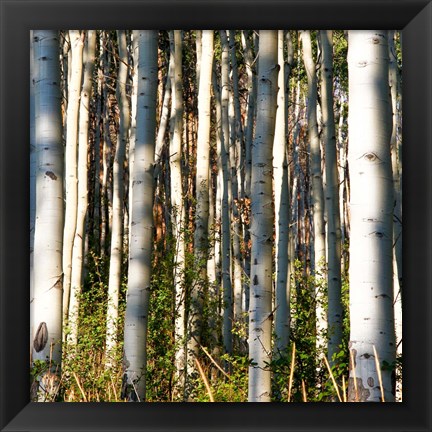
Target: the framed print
(215, 215)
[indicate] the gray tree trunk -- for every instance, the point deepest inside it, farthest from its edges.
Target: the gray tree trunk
(334, 311)
(141, 234)
(118, 195)
(260, 313)
(83, 138)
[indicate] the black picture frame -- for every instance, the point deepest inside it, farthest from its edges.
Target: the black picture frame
(414, 17)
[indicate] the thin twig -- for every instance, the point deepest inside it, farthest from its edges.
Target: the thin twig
(378, 368)
(206, 383)
(304, 391)
(291, 371)
(333, 378)
(344, 389)
(79, 386)
(354, 375)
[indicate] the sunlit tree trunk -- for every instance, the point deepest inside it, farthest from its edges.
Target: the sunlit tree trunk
(177, 205)
(46, 319)
(371, 204)
(33, 168)
(141, 234)
(281, 194)
(202, 195)
(83, 138)
(334, 312)
(397, 212)
(319, 244)
(71, 162)
(118, 195)
(260, 316)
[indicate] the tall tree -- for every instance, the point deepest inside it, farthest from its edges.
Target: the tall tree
(118, 196)
(260, 312)
(141, 234)
(319, 247)
(226, 198)
(83, 138)
(334, 308)
(371, 277)
(281, 194)
(71, 173)
(177, 203)
(46, 317)
(202, 193)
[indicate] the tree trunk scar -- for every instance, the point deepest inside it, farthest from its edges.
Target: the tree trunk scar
(41, 337)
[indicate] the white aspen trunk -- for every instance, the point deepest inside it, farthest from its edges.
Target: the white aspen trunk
(33, 167)
(334, 311)
(46, 319)
(226, 198)
(141, 234)
(71, 162)
(237, 179)
(319, 244)
(251, 109)
(83, 138)
(371, 206)
(248, 137)
(165, 115)
(132, 137)
(118, 194)
(260, 314)
(281, 199)
(202, 195)
(177, 207)
(97, 151)
(397, 212)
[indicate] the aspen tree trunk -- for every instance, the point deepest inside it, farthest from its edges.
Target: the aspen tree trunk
(141, 234)
(281, 194)
(33, 167)
(371, 205)
(226, 196)
(397, 212)
(248, 137)
(118, 194)
(177, 206)
(202, 195)
(237, 182)
(260, 313)
(319, 244)
(71, 162)
(97, 152)
(83, 138)
(46, 319)
(334, 311)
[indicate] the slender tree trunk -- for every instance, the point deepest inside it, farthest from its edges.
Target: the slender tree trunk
(260, 313)
(371, 281)
(334, 311)
(141, 243)
(78, 244)
(33, 172)
(281, 194)
(177, 206)
(226, 197)
(118, 194)
(319, 244)
(71, 162)
(46, 319)
(202, 196)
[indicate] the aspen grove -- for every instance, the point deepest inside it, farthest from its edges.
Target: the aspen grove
(216, 216)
